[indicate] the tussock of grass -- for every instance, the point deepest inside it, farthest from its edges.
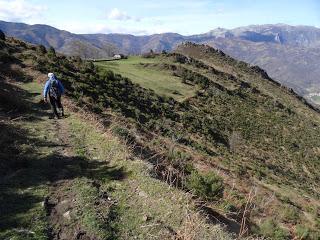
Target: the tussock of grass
(270, 229)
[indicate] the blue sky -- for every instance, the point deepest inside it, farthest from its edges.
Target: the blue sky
(147, 16)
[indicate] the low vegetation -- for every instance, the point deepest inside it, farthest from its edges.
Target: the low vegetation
(208, 186)
(270, 229)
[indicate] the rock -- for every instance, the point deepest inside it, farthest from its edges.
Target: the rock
(142, 194)
(45, 202)
(146, 218)
(64, 202)
(67, 216)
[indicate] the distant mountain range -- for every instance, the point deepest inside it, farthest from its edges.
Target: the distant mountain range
(290, 54)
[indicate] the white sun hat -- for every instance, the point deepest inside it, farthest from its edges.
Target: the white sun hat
(50, 75)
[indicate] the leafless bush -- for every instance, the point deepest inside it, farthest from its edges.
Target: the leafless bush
(235, 141)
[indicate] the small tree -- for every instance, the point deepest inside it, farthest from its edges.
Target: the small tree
(2, 35)
(51, 52)
(41, 49)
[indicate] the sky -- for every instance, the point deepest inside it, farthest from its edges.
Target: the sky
(142, 17)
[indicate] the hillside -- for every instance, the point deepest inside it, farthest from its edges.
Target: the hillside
(228, 142)
(129, 44)
(299, 36)
(76, 178)
(63, 41)
(293, 66)
(288, 53)
(239, 122)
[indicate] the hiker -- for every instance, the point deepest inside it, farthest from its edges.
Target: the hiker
(54, 89)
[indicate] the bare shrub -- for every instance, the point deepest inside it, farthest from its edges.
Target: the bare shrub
(235, 141)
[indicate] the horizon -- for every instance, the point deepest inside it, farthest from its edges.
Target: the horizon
(145, 18)
(116, 33)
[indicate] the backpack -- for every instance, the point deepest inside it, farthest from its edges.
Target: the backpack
(54, 91)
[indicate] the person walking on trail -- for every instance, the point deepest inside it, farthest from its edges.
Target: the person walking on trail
(54, 89)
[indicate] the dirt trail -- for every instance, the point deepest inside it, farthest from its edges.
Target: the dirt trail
(62, 168)
(61, 204)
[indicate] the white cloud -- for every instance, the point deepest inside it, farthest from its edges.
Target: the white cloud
(102, 27)
(20, 11)
(146, 26)
(116, 14)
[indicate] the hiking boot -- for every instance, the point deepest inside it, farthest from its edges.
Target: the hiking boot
(61, 112)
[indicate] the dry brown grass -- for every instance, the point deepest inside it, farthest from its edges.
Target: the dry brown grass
(193, 229)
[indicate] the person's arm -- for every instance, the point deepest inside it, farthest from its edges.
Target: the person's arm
(45, 90)
(61, 88)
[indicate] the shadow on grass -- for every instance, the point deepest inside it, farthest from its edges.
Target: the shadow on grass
(14, 70)
(25, 174)
(18, 102)
(217, 218)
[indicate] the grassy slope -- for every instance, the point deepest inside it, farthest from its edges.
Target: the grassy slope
(265, 150)
(160, 81)
(128, 203)
(146, 207)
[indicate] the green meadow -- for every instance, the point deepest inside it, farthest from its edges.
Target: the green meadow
(159, 80)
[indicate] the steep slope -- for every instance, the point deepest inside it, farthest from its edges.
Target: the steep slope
(294, 67)
(288, 53)
(240, 124)
(74, 178)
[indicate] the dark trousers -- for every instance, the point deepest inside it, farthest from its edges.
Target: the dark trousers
(56, 103)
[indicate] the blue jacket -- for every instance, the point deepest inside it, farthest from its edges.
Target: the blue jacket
(48, 85)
